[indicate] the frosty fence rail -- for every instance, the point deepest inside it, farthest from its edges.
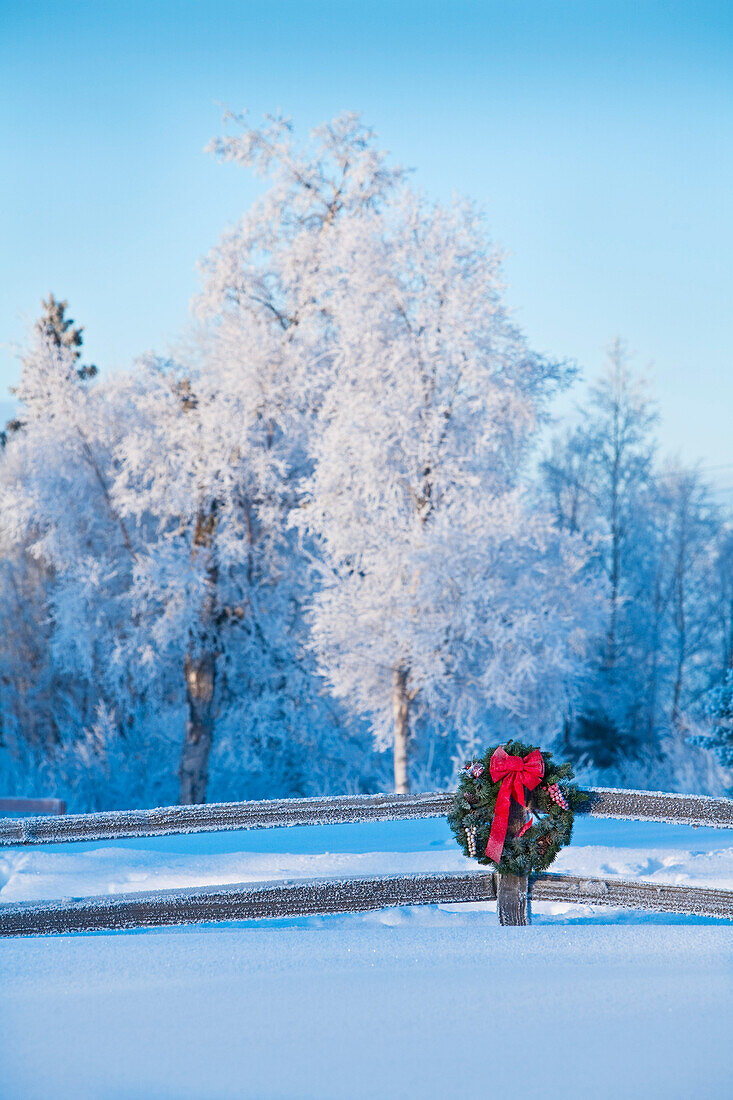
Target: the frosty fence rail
(306, 897)
(681, 809)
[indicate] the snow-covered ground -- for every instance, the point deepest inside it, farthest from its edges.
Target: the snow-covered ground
(400, 1003)
(625, 849)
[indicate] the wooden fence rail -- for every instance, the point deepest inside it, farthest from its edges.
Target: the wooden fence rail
(306, 897)
(118, 824)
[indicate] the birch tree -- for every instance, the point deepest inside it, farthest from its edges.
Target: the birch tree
(440, 593)
(225, 437)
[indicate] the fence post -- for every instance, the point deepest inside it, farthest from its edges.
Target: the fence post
(512, 899)
(512, 903)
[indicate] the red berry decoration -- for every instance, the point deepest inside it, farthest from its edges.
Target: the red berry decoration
(557, 796)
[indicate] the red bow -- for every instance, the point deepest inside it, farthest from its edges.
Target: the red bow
(516, 773)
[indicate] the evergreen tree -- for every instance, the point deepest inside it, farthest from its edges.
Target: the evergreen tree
(721, 715)
(60, 331)
(660, 547)
(599, 479)
(63, 332)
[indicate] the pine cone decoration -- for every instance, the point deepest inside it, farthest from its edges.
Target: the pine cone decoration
(544, 842)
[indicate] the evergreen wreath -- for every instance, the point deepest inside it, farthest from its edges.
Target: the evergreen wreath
(551, 804)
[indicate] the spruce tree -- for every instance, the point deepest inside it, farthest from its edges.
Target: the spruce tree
(721, 713)
(54, 325)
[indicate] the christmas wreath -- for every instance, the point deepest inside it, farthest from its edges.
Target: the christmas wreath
(514, 808)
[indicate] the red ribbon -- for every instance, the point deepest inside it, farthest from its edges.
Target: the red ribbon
(515, 773)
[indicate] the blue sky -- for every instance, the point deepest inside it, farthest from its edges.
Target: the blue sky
(597, 135)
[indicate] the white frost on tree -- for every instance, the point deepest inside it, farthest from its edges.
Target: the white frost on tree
(212, 471)
(310, 528)
(442, 597)
(660, 547)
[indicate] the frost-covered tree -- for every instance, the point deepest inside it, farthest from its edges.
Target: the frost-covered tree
(598, 479)
(217, 587)
(714, 665)
(55, 328)
(658, 540)
(310, 527)
(443, 601)
(222, 443)
(54, 325)
(723, 587)
(74, 554)
(720, 711)
(147, 553)
(198, 477)
(695, 530)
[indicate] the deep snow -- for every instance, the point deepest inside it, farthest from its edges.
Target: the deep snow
(625, 849)
(400, 1003)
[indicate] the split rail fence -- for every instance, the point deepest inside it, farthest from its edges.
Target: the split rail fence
(246, 901)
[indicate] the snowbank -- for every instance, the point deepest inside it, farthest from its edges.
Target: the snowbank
(399, 1003)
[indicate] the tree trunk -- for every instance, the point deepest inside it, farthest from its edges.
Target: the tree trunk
(512, 899)
(401, 711)
(615, 552)
(200, 674)
(653, 687)
(680, 619)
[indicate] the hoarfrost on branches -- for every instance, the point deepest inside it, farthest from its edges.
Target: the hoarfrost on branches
(441, 592)
(314, 528)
